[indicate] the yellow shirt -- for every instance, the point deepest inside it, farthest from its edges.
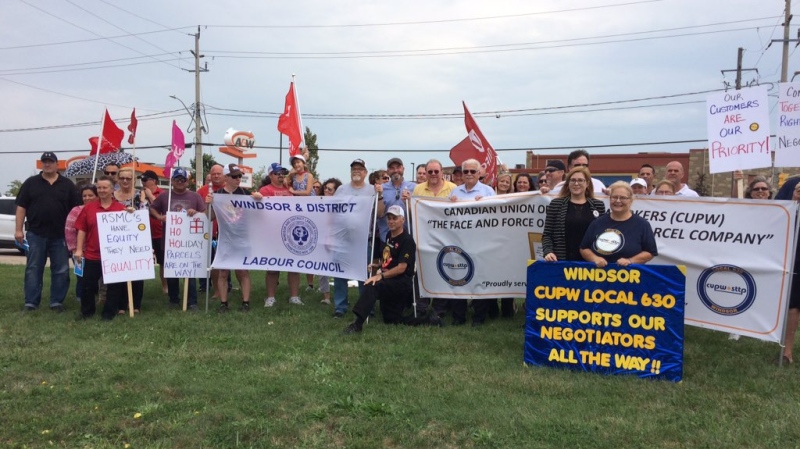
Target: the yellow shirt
(423, 190)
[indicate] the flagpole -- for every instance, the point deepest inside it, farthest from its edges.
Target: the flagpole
(299, 116)
(99, 145)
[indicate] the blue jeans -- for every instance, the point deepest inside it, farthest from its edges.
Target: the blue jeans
(340, 294)
(176, 293)
(40, 248)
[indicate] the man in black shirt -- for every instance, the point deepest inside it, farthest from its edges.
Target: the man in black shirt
(45, 200)
(392, 285)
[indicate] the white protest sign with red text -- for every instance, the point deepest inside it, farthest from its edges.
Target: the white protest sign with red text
(738, 130)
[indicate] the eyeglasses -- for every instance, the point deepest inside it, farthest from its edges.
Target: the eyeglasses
(577, 181)
(616, 198)
(433, 172)
(126, 179)
(317, 187)
(760, 189)
(470, 172)
(236, 176)
(580, 165)
(179, 179)
(110, 173)
(330, 189)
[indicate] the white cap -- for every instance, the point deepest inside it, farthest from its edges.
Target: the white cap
(397, 211)
(639, 181)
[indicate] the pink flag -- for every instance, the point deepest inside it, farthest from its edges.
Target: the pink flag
(178, 147)
(178, 141)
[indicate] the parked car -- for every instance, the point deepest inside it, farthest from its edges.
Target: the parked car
(8, 211)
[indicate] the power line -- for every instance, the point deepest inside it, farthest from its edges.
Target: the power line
(154, 116)
(88, 30)
(227, 54)
(402, 150)
(460, 114)
(427, 22)
(80, 41)
(166, 28)
(92, 64)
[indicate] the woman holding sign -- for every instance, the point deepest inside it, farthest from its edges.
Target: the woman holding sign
(568, 217)
(620, 237)
(87, 252)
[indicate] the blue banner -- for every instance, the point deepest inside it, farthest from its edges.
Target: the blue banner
(612, 320)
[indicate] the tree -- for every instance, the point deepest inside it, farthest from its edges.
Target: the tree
(208, 162)
(259, 176)
(13, 188)
(313, 152)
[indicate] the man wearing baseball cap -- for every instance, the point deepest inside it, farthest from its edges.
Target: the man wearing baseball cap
(393, 193)
(45, 200)
(277, 187)
(356, 187)
(392, 285)
(180, 199)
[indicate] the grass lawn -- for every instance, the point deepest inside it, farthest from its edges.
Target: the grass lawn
(285, 377)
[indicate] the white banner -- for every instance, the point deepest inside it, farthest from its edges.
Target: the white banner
(738, 130)
(787, 154)
(186, 245)
(477, 249)
(318, 235)
(738, 268)
(126, 249)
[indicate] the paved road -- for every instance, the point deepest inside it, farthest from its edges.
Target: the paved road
(11, 257)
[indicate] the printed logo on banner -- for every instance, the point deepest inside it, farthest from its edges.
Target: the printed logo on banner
(609, 242)
(726, 289)
(455, 266)
(299, 235)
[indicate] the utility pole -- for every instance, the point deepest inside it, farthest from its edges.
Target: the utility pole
(785, 63)
(737, 180)
(198, 122)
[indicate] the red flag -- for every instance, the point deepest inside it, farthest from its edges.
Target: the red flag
(112, 137)
(289, 122)
(132, 127)
(475, 146)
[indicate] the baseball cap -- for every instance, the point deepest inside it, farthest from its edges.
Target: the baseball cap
(297, 156)
(396, 210)
(639, 182)
(276, 167)
(358, 162)
(49, 155)
(394, 160)
(232, 169)
(179, 173)
(149, 174)
(558, 165)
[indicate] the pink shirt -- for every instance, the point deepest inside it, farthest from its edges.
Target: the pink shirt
(70, 233)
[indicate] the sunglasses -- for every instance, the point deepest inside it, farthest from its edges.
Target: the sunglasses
(433, 172)
(386, 178)
(236, 176)
(760, 189)
(580, 165)
(550, 170)
(470, 172)
(110, 173)
(179, 179)
(126, 179)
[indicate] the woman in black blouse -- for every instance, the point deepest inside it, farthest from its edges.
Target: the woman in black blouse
(568, 217)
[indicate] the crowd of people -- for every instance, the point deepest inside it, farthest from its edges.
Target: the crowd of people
(61, 223)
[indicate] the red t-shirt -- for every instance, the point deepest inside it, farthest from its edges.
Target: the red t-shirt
(87, 222)
(271, 190)
(156, 226)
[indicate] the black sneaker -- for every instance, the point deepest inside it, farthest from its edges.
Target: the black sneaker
(193, 308)
(338, 315)
(354, 328)
(57, 308)
(245, 307)
(223, 308)
(174, 305)
(28, 308)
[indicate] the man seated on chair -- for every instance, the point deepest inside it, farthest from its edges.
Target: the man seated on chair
(393, 284)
